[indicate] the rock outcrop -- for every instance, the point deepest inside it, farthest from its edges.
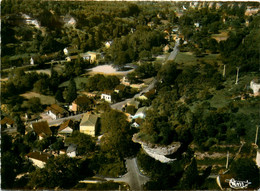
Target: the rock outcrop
(158, 152)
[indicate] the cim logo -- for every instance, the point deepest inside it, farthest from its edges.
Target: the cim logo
(236, 184)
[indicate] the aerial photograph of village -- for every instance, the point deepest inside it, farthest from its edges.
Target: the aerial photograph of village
(140, 95)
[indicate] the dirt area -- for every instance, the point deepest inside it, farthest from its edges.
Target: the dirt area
(46, 71)
(3, 79)
(107, 69)
(201, 156)
(48, 100)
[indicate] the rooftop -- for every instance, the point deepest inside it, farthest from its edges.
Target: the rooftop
(120, 87)
(108, 92)
(56, 109)
(89, 120)
(7, 120)
(42, 128)
(39, 156)
(68, 123)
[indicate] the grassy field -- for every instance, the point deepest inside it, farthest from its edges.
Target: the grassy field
(46, 100)
(187, 58)
(78, 81)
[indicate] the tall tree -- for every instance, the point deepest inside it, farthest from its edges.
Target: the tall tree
(72, 91)
(118, 135)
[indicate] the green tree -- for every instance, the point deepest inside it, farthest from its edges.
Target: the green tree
(59, 96)
(189, 179)
(20, 125)
(246, 169)
(85, 143)
(118, 135)
(61, 171)
(34, 105)
(72, 91)
(168, 73)
(8, 172)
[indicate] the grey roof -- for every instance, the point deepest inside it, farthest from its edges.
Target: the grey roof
(89, 120)
(72, 148)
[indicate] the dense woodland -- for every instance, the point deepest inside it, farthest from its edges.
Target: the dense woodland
(184, 108)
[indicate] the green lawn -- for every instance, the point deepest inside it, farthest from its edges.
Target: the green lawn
(187, 58)
(78, 81)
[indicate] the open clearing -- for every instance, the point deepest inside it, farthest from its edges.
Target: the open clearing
(187, 58)
(46, 100)
(78, 81)
(107, 69)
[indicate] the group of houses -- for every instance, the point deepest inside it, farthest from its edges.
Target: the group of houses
(88, 125)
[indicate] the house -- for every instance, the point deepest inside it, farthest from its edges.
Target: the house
(80, 103)
(69, 20)
(91, 56)
(125, 81)
(119, 88)
(133, 103)
(197, 24)
(150, 24)
(88, 124)
(255, 86)
(166, 48)
(71, 58)
(30, 21)
(66, 128)
(70, 51)
(55, 111)
(136, 125)
(8, 122)
(42, 129)
(38, 158)
(72, 150)
(141, 113)
(108, 44)
(91, 94)
(107, 95)
(31, 61)
(148, 95)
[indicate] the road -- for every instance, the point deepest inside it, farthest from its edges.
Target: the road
(61, 120)
(133, 177)
(174, 53)
(119, 105)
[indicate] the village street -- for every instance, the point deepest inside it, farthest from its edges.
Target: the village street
(133, 176)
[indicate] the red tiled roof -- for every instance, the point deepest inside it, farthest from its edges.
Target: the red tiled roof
(68, 123)
(39, 156)
(120, 87)
(150, 93)
(42, 128)
(56, 109)
(7, 120)
(108, 92)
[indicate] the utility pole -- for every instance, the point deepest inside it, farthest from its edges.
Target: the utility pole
(237, 75)
(256, 135)
(224, 71)
(227, 159)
